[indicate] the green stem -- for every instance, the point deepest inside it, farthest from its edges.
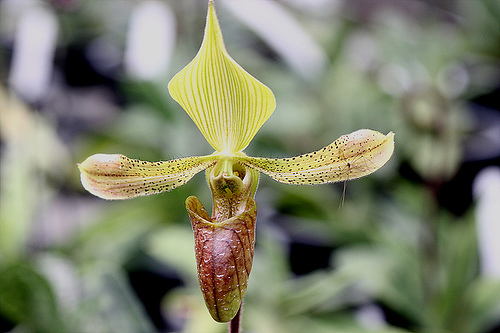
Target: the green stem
(235, 323)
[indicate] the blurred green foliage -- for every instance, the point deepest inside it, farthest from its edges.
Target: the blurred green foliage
(400, 261)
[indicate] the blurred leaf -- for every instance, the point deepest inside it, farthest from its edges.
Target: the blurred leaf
(31, 152)
(174, 245)
(118, 231)
(485, 307)
(459, 254)
(187, 305)
(110, 304)
(26, 297)
(483, 25)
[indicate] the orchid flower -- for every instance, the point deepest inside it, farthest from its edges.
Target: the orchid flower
(229, 106)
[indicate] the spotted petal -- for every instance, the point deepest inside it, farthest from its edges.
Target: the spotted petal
(119, 177)
(351, 156)
(227, 104)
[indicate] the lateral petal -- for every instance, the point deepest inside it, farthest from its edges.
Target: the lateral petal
(116, 176)
(351, 156)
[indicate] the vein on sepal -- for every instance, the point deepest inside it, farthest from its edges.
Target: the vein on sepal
(226, 103)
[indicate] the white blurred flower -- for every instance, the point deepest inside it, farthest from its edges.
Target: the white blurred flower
(487, 193)
(150, 40)
(33, 55)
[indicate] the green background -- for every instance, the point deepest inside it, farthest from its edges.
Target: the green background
(398, 253)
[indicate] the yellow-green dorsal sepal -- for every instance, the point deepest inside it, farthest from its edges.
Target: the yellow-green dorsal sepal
(226, 103)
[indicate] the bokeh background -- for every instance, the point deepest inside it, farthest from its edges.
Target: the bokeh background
(414, 247)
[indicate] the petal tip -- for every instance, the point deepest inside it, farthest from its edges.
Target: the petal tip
(89, 174)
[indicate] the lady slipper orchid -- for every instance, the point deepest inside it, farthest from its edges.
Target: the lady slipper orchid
(229, 106)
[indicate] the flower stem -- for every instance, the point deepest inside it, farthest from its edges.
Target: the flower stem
(235, 323)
